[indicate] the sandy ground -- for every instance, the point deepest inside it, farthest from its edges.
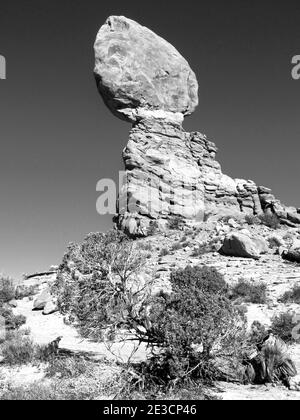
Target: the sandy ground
(46, 328)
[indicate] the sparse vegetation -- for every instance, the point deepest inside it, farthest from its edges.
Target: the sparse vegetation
(17, 348)
(111, 263)
(7, 289)
(292, 296)
(177, 246)
(12, 321)
(270, 220)
(68, 367)
(205, 248)
(145, 246)
(153, 229)
(176, 223)
(252, 220)
(191, 327)
(249, 292)
(283, 326)
(164, 252)
(23, 291)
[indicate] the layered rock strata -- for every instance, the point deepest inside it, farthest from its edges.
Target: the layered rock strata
(168, 172)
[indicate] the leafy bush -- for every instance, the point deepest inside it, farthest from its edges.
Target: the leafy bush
(96, 283)
(164, 252)
(96, 382)
(18, 349)
(190, 327)
(292, 296)
(145, 246)
(23, 291)
(7, 289)
(153, 229)
(252, 220)
(249, 292)
(12, 321)
(68, 367)
(205, 248)
(176, 223)
(177, 246)
(258, 333)
(270, 220)
(283, 325)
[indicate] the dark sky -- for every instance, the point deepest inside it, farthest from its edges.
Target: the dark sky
(58, 139)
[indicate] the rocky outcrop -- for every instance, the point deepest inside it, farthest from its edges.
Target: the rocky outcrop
(237, 244)
(169, 172)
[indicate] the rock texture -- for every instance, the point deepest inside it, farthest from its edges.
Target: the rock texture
(135, 69)
(169, 172)
(237, 244)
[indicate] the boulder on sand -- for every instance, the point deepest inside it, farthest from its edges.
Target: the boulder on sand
(50, 308)
(291, 255)
(240, 245)
(43, 298)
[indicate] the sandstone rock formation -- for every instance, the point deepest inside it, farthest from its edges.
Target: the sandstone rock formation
(136, 69)
(238, 244)
(169, 172)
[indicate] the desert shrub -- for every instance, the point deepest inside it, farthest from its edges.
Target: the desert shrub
(271, 363)
(7, 289)
(176, 223)
(23, 291)
(145, 246)
(164, 252)
(108, 291)
(177, 246)
(257, 333)
(98, 381)
(18, 349)
(153, 229)
(12, 321)
(283, 326)
(270, 220)
(205, 248)
(190, 327)
(249, 292)
(252, 220)
(292, 296)
(68, 367)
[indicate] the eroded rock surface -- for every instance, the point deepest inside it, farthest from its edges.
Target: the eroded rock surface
(135, 68)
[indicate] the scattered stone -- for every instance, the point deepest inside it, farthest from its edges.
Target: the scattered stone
(13, 303)
(239, 245)
(41, 301)
(292, 256)
(50, 308)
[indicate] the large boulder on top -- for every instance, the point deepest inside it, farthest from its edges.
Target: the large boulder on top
(240, 245)
(136, 69)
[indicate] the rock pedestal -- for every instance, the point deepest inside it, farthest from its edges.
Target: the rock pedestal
(168, 172)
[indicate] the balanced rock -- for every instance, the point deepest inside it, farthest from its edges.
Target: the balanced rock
(169, 172)
(136, 70)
